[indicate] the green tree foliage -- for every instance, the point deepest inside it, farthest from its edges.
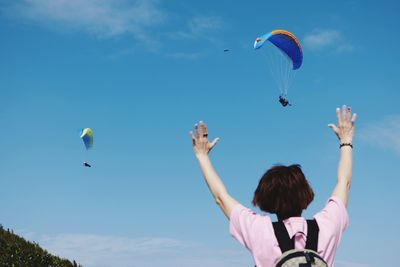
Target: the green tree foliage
(15, 251)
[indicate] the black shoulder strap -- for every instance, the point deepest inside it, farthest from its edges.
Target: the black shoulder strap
(312, 235)
(284, 241)
(282, 235)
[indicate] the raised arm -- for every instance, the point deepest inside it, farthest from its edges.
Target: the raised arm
(345, 132)
(201, 148)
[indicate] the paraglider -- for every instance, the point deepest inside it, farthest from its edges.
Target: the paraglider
(86, 164)
(284, 56)
(87, 138)
(284, 101)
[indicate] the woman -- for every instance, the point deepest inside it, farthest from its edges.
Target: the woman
(285, 192)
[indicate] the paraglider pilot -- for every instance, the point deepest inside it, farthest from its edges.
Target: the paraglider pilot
(284, 101)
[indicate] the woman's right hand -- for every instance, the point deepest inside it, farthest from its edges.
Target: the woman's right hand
(201, 145)
(345, 127)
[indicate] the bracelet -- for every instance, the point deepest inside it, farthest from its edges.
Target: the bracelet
(346, 144)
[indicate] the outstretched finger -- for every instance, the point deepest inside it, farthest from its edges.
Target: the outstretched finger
(203, 129)
(334, 128)
(196, 130)
(344, 113)
(213, 143)
(353, 118)
(348, 114)
(193, 137)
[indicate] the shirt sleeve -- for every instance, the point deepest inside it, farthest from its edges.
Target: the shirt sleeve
(244, 225)
(334, 214)
(332, 221)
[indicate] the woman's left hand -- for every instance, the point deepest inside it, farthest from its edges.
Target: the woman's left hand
(201, 145)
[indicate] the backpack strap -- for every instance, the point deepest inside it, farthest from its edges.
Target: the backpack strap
(282, 235)
(284, 241)
(312, 235)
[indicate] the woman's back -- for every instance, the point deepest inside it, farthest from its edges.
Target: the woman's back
(256, 232)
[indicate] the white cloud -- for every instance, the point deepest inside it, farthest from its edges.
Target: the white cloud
(329, 39)
(113, 18)
(203, 24)
(102, 18)
(199, 27)
(385, 133)
(95, 250)
(321, 38)
(104, 251)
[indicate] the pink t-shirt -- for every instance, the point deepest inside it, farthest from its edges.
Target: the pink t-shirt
(256, 233)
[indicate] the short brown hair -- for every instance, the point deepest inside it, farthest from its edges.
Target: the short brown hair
(283, 190)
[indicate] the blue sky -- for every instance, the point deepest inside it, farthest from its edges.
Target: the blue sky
(140, 74)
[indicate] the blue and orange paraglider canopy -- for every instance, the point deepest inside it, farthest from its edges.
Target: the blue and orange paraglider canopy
(286, 42)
